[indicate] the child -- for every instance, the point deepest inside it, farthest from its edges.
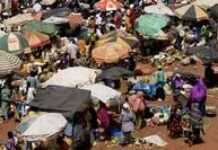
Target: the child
(174, 122)
(186, 127)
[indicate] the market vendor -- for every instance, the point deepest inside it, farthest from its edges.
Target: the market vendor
(160, 81)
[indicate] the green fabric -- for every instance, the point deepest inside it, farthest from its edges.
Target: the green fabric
(150, 25)
(23, 44)
(38, 26)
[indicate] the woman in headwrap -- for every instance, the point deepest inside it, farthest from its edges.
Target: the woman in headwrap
(198, 94)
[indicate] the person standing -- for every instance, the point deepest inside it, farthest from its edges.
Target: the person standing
(160, 81)
(198, 94)
(127, 124)
(5, 100)
(11, 142)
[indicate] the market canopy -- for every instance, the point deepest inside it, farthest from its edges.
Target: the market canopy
(8, 63)
(205, 53)
(42, 126)
(115, 36)
(36, 39)
(111, 52)
(114, 73)
(104, 93)
(214, 11)
(151, 25)
(160, 9)
(18, 19)
(48, 2)
(75, 20)
(38, 26)
(108, 5)
(14, 43)
(56, 20)
(61, 99)
(206, 4)
(73, 77)
(192, 13)
(57, 12)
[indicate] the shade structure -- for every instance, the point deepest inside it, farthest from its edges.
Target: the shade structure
(36, 39)
(61, 99)
(151, 25)
(41, 126)
(108, 5)
(104, 93)
(160, 9)
(57, 12)
(205, 53)
(191, 13)
(14, 43)
(56, 20)
(75, 20)
(48, 2)
(111, 52)
(73, 77)
(214, 11)
(115, 36)
(205, 4)
(8, 63)
(114, 73)
(18, 19)
(38, 26)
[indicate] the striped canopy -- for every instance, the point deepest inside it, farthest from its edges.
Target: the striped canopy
(36, 39)
(192, 13)
(111, 52)
(14, 43)
(8, 63)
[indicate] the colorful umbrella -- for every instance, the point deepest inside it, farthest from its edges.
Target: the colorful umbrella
(38, 26)
(36, 39)
(192, 13)
(114, 36)
(14, 43)
(151, 25)
(110, 52)
(8, 63)
(108, 5)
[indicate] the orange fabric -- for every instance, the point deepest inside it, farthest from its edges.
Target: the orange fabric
(36, 39)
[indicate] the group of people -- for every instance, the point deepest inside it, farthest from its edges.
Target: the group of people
(97, 121)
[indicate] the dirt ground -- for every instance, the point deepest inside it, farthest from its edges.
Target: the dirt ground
(210, 138)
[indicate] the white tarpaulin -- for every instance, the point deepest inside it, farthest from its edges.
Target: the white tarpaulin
(159, 9)
(103, 93)
(155, 139)
(56, 20)
(73, 77)
(42, 126)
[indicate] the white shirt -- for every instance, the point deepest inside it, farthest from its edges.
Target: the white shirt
(72, 50)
